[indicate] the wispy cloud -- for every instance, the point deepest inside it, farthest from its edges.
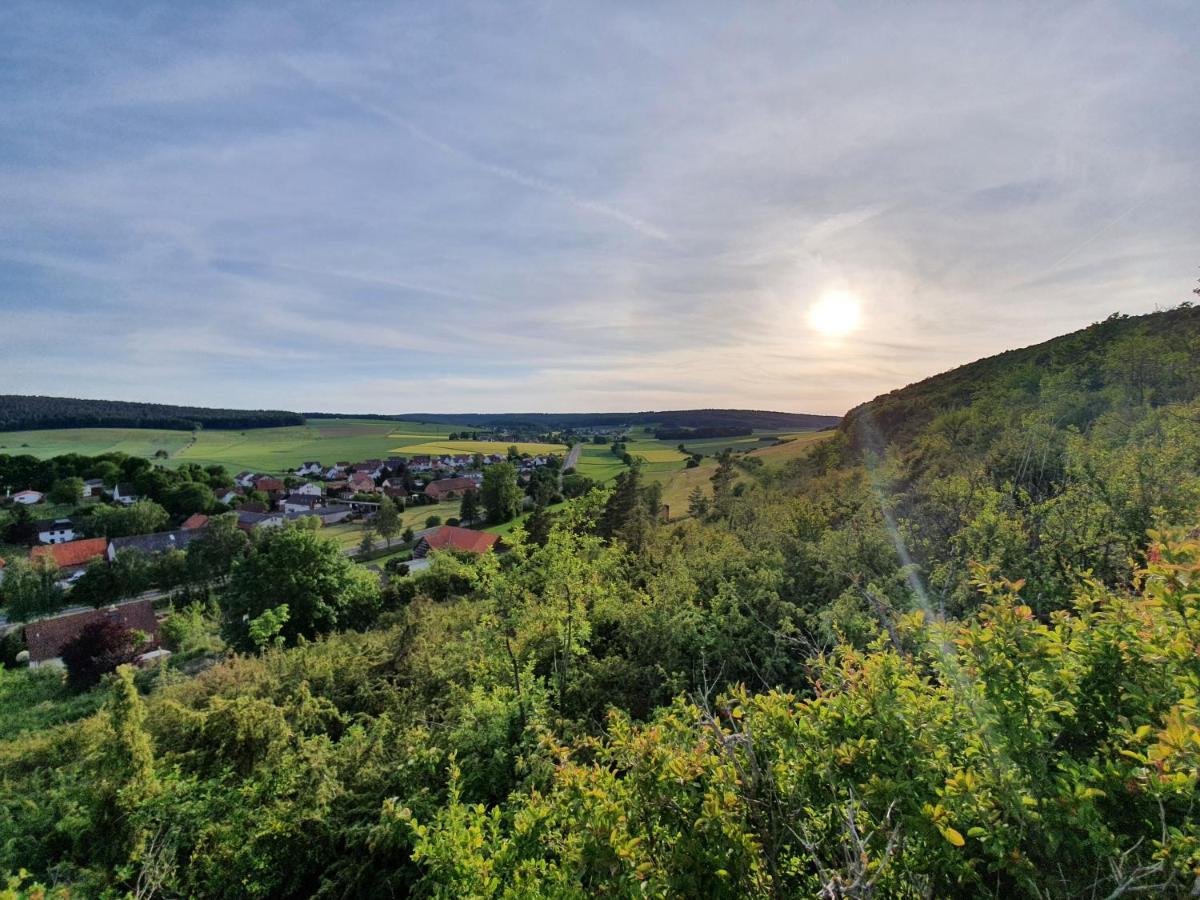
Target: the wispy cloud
(463, 206)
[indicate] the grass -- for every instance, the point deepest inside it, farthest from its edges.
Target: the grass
(597, 462)
(33, 700)
(442, 448)
(93, 441)
(268, 450)
(792, 446)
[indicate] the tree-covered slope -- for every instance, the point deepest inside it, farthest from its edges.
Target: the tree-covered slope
(1151, 358)
(27, 413)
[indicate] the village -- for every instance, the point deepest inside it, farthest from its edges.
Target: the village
(326, 495)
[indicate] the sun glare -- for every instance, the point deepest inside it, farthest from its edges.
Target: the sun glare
(836, 314)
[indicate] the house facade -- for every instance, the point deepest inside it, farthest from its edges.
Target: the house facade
(125, 494)
(56, 531)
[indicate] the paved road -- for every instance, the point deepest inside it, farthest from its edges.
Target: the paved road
(572, 459)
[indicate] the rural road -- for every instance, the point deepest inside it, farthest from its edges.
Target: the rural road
(572, 459)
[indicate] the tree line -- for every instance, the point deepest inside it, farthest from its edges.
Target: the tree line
(28, 413)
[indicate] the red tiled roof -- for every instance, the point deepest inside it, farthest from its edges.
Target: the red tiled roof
(197, 520)
(268, 484)
(450, 486)
(46, 637)
(451, 537)
(72, 553)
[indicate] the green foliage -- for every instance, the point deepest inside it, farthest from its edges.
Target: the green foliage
(265, 629)
(499, 492)
(29, 589)
(67, 490)
(143, 517)
(322, 589)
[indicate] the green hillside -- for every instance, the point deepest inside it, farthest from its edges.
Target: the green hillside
(949, 650)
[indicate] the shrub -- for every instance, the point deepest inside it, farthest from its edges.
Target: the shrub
(97, 650)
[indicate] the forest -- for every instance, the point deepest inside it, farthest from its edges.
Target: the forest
(22, 413)
(743, 419)
(951, 651)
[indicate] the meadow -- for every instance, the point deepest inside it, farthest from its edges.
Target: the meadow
(443, 448)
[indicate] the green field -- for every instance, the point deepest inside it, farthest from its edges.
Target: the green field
(444, 448)
(597, 462)
(93, 441)
(271, 450)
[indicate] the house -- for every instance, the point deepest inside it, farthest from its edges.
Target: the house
(451, 537)
(72, 554)
(244, 479)
(28, 497)
(1, 568)
(250, 521)
(301, 502)
(150, 544)
(361, 482)
(253, 506)
(268, 485)
(309, 487)
(329, 515)
(46, 638)
(93, 487)
(56, 531)
(309, 468)
(333, 472)
(226, 495)
(197, 520)
(449, 488)
(420, 463)
(371, 467)
(126, 494)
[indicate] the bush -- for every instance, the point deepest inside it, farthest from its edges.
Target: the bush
(97, 650)
(433, 521)
(452, 521)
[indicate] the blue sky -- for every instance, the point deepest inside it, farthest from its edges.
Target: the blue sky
(566, 206)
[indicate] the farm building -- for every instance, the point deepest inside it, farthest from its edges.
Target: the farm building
(73, 554)
(153, 543)
(46, 638)
(93, 487)
(28, 498)
(449, 488)
(451, 537)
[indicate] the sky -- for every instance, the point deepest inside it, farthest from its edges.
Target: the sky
(567, 206)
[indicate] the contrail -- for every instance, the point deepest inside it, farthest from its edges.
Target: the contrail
(506, 173)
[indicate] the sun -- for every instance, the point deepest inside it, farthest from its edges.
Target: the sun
(836, 314)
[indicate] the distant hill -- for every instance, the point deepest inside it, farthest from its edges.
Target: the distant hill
(20, 413)
(746, 419)
(1153, 355)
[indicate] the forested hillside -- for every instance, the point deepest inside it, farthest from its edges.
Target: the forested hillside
(950, 652)
(746, 419)
(21, 413)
